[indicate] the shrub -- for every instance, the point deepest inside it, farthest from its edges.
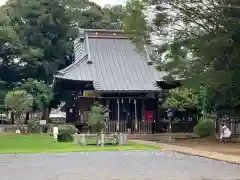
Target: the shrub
(204, 128)
(96, 119)
(34, 126)
(20, 102)
(44, 128)
(49, 130)
(65, 133)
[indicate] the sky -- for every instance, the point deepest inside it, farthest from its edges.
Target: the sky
(99, 2)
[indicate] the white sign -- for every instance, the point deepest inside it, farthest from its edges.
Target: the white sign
(18, 131)
(41, 122)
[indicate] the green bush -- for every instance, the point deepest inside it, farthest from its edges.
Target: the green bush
(44, 128)
(34, 126)
(65, 138)
(65, 133)
(49, 130)
(204, 128)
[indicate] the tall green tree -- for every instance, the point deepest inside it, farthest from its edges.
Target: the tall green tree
(45, 31)
(183, 98)
(87, 14)
(10, 49)
(19, 102)
(199, 42)
(42, 95)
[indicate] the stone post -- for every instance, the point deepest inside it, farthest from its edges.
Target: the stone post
(102, 139)
(120, 139)
(76, 138)
(82, 139)
(125, 139)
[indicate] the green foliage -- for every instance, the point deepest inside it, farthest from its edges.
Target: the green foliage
(36, 40)
(87, 14)
(34, 126)
(49, 48)
(204, 128)
(65, 138)
(67, 129)
(41, 92)
(65, 133)
(96, 118)
(182, 98)
(135, 23)
(19, 101)
(199, 43)
(44, 128)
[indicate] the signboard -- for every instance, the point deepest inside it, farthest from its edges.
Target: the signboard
(42, 122)
(91, 94)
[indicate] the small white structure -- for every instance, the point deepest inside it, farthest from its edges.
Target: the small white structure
(42, 122)
(18, 131)
(55, 132)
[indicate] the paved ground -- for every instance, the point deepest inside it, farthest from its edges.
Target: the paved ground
(135, 165)
(195, 150)
(231, 148)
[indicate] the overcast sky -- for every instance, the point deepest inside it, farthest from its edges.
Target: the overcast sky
(100, 2)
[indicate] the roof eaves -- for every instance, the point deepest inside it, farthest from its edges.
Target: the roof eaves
(155, 85)
(74, 64)
(103, 30)
(66, 78)
(128, 91)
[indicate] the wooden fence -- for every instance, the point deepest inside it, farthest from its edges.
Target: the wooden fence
(12, 128)
(139, 127)
(233, 123)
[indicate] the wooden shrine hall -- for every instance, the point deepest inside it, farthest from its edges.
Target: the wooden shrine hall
(108, 68)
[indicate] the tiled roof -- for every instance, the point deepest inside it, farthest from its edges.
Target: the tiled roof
(111, 61)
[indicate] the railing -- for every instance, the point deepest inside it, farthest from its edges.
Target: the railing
(12, 128)
(233, 123)
(59, 120)
(140, 126)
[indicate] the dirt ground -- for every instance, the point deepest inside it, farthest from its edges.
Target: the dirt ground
(231, 148)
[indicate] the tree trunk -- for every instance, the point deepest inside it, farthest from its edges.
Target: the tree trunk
(45, 113)
(27, 117)
(12, 117)
(18, 119)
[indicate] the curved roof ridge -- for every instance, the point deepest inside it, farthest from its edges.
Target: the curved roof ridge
(73, 65)
(88, 48)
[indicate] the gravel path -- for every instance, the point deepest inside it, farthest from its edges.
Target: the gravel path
(131, 165)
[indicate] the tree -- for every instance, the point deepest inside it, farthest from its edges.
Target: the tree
(183, 98)
(37, 37)
(198, 41)
(135, 23)
(87, 14)
(46, 33)
(19, 102)
(10, 49)
(42, 94)
(96, 119)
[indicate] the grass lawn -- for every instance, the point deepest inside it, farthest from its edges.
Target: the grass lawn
(40, 143)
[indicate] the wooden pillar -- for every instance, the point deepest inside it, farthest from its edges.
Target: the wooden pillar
(143, 111)
(135, 113)
(157, 123)
(118, 114)
(108, 108)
